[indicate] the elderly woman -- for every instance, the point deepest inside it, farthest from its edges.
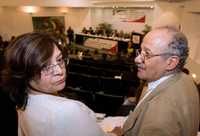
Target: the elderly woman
(35, 71)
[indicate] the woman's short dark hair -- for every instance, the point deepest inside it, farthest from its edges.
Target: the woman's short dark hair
(25, 57)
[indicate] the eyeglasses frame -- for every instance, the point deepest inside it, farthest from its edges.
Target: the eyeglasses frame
(62, 64)
(145, 57)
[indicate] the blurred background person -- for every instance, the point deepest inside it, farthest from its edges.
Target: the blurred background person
(84, 30)
(91, 31)
(70, 35)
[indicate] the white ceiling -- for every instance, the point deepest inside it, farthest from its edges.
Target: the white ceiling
(79, 3)
(70, 3)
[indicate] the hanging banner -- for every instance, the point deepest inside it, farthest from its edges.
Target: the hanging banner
(130, 15)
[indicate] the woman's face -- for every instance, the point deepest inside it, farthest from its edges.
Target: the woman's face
(53, 75)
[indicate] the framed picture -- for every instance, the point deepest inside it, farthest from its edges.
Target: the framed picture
(136, 39)
(49, 23)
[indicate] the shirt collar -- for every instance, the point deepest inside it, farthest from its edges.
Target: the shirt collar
(152, 85)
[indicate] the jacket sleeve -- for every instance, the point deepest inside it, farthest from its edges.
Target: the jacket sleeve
(160, 119)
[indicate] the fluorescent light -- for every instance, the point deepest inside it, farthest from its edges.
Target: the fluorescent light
(64, 10)
(29, 9)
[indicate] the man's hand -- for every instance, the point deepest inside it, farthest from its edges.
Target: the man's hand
(117, 131)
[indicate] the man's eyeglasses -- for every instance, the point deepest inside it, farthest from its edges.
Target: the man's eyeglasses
(147, 55)
(50, 69)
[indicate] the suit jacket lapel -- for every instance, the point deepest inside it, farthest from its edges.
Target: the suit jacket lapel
(130, 122)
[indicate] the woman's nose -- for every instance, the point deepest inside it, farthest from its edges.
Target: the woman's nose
(58, 69)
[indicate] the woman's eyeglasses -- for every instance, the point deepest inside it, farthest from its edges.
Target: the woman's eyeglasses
(51, 69)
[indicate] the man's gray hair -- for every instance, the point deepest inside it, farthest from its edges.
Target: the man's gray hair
(178, 45)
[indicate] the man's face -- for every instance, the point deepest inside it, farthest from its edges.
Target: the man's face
(151, 64)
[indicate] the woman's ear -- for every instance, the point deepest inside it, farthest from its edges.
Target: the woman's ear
(33, 82)
(172, 62)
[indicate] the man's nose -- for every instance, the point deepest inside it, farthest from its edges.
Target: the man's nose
(139, 59)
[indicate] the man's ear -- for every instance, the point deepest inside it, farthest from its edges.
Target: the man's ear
(172, 62)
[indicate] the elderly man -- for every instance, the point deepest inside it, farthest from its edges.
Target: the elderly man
(170, 106)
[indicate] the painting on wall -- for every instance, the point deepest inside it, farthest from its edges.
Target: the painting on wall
(49, 23)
